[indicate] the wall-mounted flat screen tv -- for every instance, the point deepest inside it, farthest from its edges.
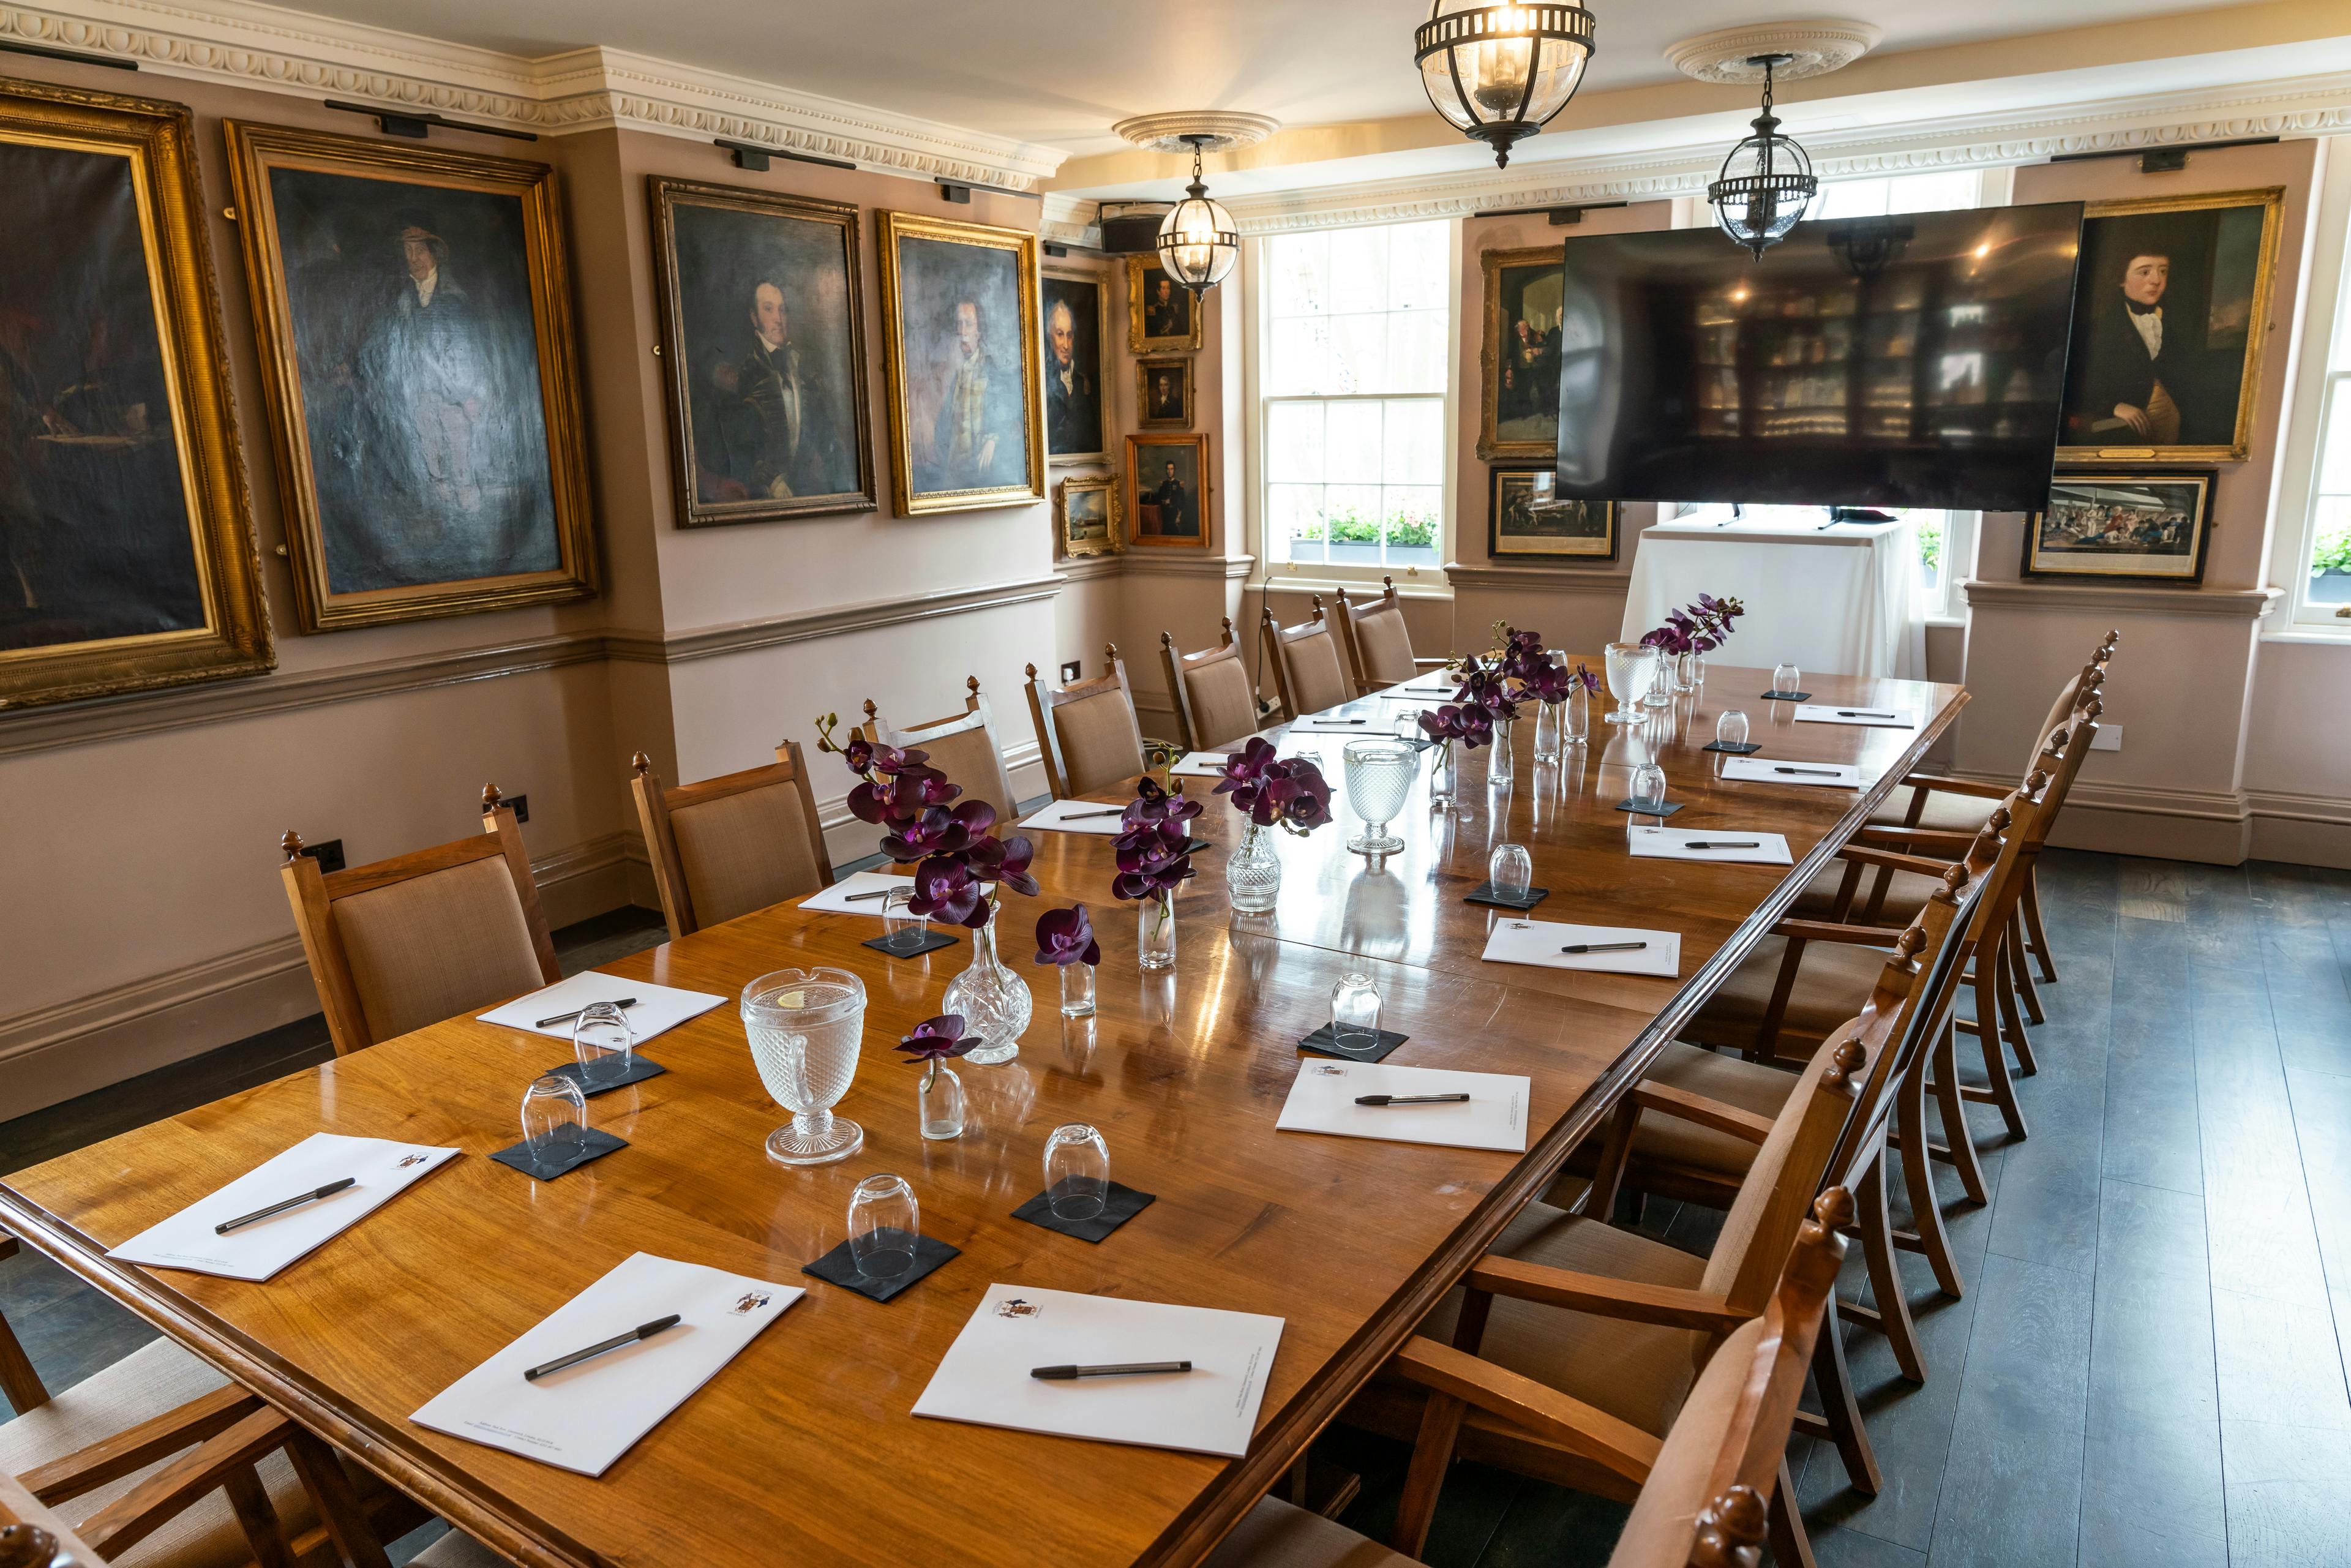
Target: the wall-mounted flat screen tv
(1911, 361)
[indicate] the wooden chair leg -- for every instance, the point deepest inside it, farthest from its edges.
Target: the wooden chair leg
(1791, 1548)
(2039, 932)
(1919, 1179)
(2020, 972)
(2011, 1019)
(1995, 1054)
(329, 1486)
(18, 1381)
(1960, 1143)
(1840, 1414)
(1432, 1456)
(264, 1534)
(1892, 1315)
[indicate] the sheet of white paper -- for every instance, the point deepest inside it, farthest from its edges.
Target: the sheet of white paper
(384, 1170)
(1057, 818)
(1873, 718)
(1538, 941)
(1763, 770)
(659, 1008)
(1322, 1100)
(1200, 765)
(1211, 1410)
(585, 1417)
(838, 898)
(1673, 844)
(1384, 726)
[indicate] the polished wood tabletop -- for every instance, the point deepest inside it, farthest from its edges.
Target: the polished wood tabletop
(803, 1450)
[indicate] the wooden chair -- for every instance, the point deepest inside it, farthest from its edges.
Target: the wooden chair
(732, 845)
(1087, 732)
(1216, 699)
(423, 937)
(962, 745)
(1378, 647)
(1307, 667)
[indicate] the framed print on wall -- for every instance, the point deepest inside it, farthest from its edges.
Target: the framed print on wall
(1086, 516)
(1163, 316)
(763, 353)
(960, 349)
(2154, 526)
(1519, 367)
(1163, 394)
(415, 315)
(1167, 491)
(2170, 309)
(127, 554)
(1580, 530)
(1077, 326)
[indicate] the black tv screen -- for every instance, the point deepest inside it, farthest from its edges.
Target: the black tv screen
(1911, 361)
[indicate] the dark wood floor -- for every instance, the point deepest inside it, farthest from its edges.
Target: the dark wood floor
(2147, 1368)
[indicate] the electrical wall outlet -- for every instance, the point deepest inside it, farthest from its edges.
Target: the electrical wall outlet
(1071, 671)
(329, 855)
(2108, 739)
(521, 804)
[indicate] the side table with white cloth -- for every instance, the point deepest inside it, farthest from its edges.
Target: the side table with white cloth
(1839, 598)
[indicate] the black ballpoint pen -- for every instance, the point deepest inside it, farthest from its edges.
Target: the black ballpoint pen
(1124, 1369)
(1864, 713)
(1822, 772)
(575, 1012)
(643, 1330)
(1602, 947)
(877, 892)
(1412, 1099)
(1722, 844)
(1085, 816)
(332, 1187)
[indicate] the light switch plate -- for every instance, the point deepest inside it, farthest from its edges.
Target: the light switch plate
(2108, 739)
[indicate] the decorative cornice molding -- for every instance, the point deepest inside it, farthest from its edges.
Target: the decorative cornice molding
(1071, 220)
(2202, 604)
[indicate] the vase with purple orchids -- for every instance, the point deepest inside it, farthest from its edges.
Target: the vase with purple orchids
(938, 1098)
(961, 868)
(1285, 794)
(1466, 723)
(1065, 939)
(1688, 635)
(1564, 697)
(1155, 858)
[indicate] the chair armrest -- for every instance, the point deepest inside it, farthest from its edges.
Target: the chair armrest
(1942, 785)
(149, 1506)
(1667, 1100)
(1535, 1406)
(1861, 854)
(1919, 838)
(135, 1447)
(1828, 930)
(1666, 1306)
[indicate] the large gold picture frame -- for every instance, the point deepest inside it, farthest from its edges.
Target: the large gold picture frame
(1491, 445)
(932, 270)
(168, 483)
(499, 466)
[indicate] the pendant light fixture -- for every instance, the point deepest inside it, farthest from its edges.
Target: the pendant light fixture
(1767, 183)
(1197, 241)
(1500, 72)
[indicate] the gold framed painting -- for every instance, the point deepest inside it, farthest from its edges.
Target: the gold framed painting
(1163, 316)
(1167, 491)
(1163, 394)
(126, 553)
(2103, 524)
(960, 352)
(1579, 530)
(1076, 305)
(2171, 308)
(413, 308)
(1085, 515)
(1518, 406)
(763, 353)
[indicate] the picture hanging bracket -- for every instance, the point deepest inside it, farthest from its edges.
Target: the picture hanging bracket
(11, 46)
(2163, 159)
(1560, 217)
(960, 191)
(750, 155)
(415, 126)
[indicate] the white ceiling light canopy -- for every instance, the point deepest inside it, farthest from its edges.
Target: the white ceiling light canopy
(1767, 184)
(1198, 241)
(1804, 50)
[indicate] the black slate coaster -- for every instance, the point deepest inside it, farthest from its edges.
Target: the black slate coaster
(1650, 808)
(1787, 696)
(837, 1268)
(594, 1143)
(639, 1069)
(1484, 893)
(1193, 846)
(1320, 1042)
(1744, 748)
(1120, 1205)
(931, 943)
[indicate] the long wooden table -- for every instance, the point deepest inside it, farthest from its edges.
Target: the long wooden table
(803, 1449)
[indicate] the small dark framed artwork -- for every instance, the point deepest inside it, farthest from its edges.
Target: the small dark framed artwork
(2154, 526)
(1581, 530)
(1163, 394)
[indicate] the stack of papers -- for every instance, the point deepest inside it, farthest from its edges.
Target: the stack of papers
(658, 1010)
(585, 1417)
(381, 1170)
(1763, 770)
(1322, 1100)
(1211, 1410)
(1200, 765)
(837, 900)
(1538, 941)
(1681, 844)
(1057, 818)
(1880, 718)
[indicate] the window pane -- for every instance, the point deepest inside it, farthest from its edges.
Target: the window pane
(1352, 453)
(1293, 438)
(1411, 517)
(1294, 521)
(1851, 199)
(1417, 266)
(1298, 361)
(1415, 353)
(2335, 463)
(1359, 269)
(1933, 192)
(1354, 514)
(1415, 443)
(2330, 555)
(1359, 355)
(1297, 266)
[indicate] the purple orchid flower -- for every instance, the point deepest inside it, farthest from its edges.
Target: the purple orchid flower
(1297, 796)
(1441, 724)
(1244, 767)
(946, 892)
(1067, 936)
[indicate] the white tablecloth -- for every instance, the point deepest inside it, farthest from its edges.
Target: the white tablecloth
(1840, 601)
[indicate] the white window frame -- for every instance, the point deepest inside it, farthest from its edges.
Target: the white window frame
(1412, 581)
(2321, 377)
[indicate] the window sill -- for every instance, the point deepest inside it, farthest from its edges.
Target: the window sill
(1951, 622)
(1430, 584)
(2313, 637)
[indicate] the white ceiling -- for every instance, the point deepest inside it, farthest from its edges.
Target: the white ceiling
(1059, 72)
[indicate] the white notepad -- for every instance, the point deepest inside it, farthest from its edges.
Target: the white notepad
(659, 1008)
(1763, 770)
(1879, 717)
(1384, 727)
(835, 900)
(1211, 1410)
(1056, 817)
(384, 1170)
(1673, 844)
(1538, 941)
(1200, 765)
(585, 1417)
(1322, 1100)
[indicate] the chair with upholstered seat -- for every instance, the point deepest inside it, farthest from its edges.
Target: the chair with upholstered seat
(962, 745)
(1088, 731)
(1377, 644)
(423, 937)
(1216, 699)
(732, 845)
(1308, 668)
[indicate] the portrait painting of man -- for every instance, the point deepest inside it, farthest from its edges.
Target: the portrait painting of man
(1162, 315)
(1166, 484)
(1525, 311)
(960, 304)
(764, 345)
(1163, 393)
(1073, 360)
(2163, 354)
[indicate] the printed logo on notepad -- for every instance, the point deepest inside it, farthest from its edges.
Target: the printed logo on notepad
(750, 1301)
(1329, 1070)
(410, 1160)
(1522, 926)
(1017, 1308)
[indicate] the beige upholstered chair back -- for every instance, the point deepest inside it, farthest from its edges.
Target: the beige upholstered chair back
(1306, 661)
(1376, 641)
(963, 747)
(1216, 700)
(733, 844)
(1087, 732)
(410, 941)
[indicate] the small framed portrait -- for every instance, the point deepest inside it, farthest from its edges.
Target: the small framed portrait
(962, 348)
(1163, 394)
(1519, 380)
(1077, 325)
(763, 351)
(1574, 530)
(1163, 316)
(1167, 491)
(2170, 311)
(2153, 527)
(1086, 511)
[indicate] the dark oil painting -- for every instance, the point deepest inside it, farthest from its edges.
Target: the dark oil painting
(967, 377)
(1073, 367)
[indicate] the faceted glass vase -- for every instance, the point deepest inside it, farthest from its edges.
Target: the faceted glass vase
(994, 1002)
(1253, 872)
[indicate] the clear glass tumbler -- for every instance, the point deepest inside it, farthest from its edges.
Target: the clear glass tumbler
(1649, 790)
(1730, 729)
(1379, 780)
(885, 1224)
(1786, 679)
(604, 1044)
(1355, 1013)
(1510, 871)
(901, 928)
(554, 1117)
(804, 1026)
(1631, 669)
(1077, 1172)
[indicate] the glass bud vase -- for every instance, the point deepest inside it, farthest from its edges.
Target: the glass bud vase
(938, 1101)
(994, 1002)
(1685, 672)
(1155, 931)
(1547, 726)
(1575, 716)
(1253, 872)
(1077, 990)
(1441, 777)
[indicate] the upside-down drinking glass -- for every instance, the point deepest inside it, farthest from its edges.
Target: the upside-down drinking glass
(1511, 870)
(1786, 678)
(604, 1044)
(1379, 777)
(554, 1117)
(901, 928)
(1354, 1013)
(1730, 729)
(1077, 1172)
(804, 1026)
(885, 1224)
(1649, 790)
(1631, 669)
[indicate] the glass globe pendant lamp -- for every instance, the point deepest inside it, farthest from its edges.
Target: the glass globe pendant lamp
(1197, 241)
(1767, 183)
(1500, 72)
